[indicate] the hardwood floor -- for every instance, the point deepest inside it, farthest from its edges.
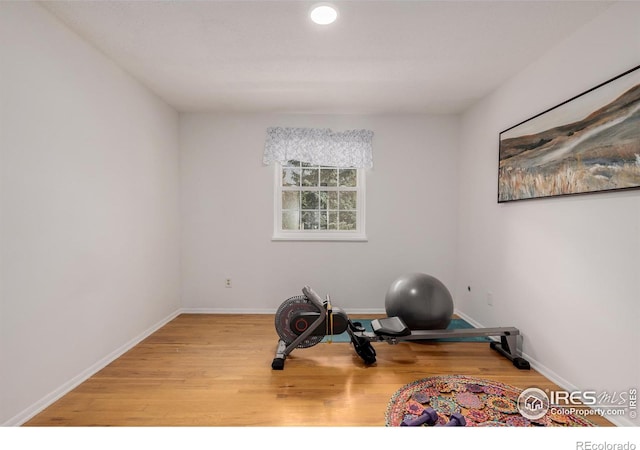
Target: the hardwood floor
(215, 370)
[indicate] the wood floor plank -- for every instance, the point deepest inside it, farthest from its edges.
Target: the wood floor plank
(215, 370)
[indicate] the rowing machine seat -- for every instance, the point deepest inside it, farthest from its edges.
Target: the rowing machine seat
(390, 326)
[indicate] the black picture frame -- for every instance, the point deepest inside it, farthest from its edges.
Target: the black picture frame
(589, 143)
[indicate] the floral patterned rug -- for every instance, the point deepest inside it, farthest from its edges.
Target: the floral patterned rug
(482, 403)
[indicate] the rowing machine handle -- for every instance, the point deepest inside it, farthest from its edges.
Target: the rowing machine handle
(313, 297)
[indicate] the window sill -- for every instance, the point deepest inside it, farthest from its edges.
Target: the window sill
(320, 236)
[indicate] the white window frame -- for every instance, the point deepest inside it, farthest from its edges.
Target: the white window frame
(279, 234)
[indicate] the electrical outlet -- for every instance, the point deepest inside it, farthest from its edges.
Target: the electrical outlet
(227, 282)
(489, 299)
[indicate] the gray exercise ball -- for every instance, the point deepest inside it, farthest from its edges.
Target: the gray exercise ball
(421, 301)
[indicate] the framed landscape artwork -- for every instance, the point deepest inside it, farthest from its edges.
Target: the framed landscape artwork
(589, 143)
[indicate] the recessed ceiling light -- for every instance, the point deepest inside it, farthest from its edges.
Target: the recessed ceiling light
(324, 14)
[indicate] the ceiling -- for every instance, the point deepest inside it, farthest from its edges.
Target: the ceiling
(394, 56)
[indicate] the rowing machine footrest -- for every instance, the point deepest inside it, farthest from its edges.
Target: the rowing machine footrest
(365, 350)
(390, 326)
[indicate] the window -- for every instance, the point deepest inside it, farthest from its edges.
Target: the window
(318, 202)
(319, 182)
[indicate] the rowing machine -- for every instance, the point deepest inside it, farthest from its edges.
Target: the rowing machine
(303, 321)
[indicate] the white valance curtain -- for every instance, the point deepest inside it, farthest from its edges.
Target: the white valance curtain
(319, 146)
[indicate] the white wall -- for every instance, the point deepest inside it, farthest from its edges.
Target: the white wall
(89, 218)
(566, 271)
(227, 214)
(89, 210)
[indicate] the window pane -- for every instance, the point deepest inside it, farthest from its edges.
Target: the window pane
(348, 177)
(310, 200)
(347, 220)
(348, 200)
(332, 200)
(328, 199)
(291, 163)
(332, 220)
(323, 220)
(310, 220)
(291, 200)
(290, 220)
(310, 177)
(291, 177)
(328, 177)
(322, 197)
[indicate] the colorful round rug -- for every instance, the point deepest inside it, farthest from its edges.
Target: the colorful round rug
(483, 403)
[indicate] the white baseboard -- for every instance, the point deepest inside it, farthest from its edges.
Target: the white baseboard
(350, 312)
(226, 311)
(467, 318)
(356, 312)
(552, 376)
(67, 387)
